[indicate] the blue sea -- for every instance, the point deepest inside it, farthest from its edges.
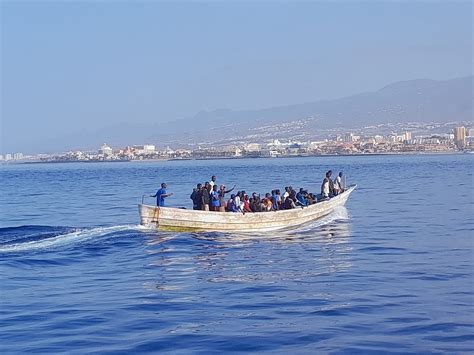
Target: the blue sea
(390, 273)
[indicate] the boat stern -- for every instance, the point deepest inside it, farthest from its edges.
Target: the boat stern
(149, 215)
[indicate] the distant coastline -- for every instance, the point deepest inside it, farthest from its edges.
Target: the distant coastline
(232, 158)
(66, 161)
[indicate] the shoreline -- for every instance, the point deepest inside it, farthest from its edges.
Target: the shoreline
(233, 158)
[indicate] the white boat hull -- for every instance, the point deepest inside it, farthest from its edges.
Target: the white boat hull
(176, 219)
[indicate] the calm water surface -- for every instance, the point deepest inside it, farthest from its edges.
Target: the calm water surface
(391, 273)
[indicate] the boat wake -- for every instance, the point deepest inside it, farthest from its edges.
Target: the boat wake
(33, 238)
(39, 238)
(338, 215)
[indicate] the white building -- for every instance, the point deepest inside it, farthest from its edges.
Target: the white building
(431, 140)
(275, 143)
(76, 155)
(315, 144)
(348, 138)
(8, 157)
(149, 148)
(168, 151)
(144, 149)
(379, 139)
(270, 153)
(252, 147)
(392, 138)
(417, 140)
(105, 150)
(18, 156)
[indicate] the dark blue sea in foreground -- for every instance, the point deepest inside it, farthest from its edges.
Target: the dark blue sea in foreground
(391, 272)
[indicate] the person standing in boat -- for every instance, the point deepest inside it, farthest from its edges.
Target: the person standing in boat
(222, 201)
(195, 197)
(325, 188)
(338, 188)
(213, 182)
(160, 195)
(198, 197)
(206, 197)
(331, 183)
(215, 203)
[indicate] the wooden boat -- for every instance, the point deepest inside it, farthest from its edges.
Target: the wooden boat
(176, 219)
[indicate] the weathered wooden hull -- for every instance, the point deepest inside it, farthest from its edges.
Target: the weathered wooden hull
(175, 219)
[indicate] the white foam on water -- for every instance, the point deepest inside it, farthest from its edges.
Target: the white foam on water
(78, 236)
(86, 234)
(339, 214)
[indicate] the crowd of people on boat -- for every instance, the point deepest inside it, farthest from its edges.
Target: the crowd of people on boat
(211, 197)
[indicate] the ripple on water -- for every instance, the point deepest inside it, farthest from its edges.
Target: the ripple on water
(391, 273)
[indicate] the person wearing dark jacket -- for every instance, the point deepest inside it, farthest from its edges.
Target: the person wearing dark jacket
(198, 198)
(205, 197)
(289, 203)
(195, 198)
(331, 183)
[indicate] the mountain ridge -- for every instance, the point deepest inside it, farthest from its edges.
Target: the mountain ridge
(417, 100)
(420, 100)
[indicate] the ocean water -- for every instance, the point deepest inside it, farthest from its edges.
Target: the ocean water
(392, 272)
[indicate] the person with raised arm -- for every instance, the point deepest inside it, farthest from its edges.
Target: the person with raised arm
(160, 195)
(222, 201)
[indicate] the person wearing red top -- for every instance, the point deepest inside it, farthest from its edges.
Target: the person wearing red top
(247, 204)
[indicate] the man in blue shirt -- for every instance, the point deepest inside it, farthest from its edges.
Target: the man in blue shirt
(160, 195)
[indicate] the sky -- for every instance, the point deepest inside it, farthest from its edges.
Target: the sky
(72, 67)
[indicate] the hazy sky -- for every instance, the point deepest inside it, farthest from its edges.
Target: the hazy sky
(70, 66)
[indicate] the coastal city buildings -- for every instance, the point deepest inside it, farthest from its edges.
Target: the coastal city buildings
(363, 141)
